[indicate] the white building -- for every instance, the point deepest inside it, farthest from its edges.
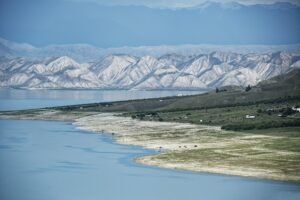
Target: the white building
(250, 116)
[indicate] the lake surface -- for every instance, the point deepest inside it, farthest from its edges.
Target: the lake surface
(56, 161)
(12, 99)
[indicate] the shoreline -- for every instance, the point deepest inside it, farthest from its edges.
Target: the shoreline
(183, 146)
(139, 137)
(217, 170)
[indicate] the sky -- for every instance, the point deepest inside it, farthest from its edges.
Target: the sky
(116, 23)
(180, 3)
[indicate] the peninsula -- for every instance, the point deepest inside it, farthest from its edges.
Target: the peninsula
(251, 131)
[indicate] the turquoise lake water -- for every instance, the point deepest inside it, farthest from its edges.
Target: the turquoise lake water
(46, 160)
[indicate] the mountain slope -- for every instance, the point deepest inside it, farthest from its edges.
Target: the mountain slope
(171, 71)
(62, 72)
(281, 87)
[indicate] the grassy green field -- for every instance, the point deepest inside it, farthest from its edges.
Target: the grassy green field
(268, 153)
(265, 153)
(267, 115)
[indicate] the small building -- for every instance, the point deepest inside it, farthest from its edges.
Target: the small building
(250, 116)
(281, 115)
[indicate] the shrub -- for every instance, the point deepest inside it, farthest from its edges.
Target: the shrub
(248, 88)
(261, 125)
(259, 110)
(288, 111)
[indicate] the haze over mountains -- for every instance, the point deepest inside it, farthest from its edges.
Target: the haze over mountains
(88, 53)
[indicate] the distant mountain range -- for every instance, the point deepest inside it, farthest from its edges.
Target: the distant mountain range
(124, 71)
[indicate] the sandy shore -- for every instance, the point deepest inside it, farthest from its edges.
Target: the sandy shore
(188, 146)
(134, 132)
(198, 147)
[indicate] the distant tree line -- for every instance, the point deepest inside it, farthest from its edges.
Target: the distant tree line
(260, 125)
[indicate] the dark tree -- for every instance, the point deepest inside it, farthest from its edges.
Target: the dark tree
(248, 88)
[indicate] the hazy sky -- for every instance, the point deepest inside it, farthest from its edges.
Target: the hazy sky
(181, 3)
(115, 23)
